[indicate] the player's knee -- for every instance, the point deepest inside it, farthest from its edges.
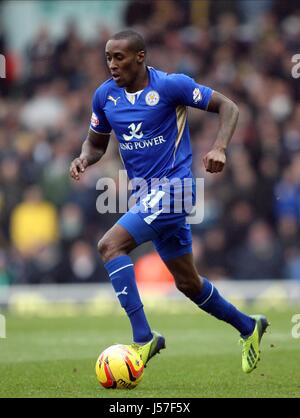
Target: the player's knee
(108, 249)
(102, 248)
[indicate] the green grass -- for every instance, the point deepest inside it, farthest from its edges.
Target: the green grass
(55, 357)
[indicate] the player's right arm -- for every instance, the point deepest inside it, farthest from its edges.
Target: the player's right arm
(96, 142)
(93, 148)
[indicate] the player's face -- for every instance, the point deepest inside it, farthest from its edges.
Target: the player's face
(123, 63)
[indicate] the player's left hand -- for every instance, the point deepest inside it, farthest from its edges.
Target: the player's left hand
(215, 160)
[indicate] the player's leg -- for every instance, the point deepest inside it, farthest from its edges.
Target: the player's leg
(114, 248)
(205, 294)
(176, 252)
(207, 297)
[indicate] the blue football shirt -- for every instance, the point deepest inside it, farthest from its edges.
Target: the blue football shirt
(153, 133)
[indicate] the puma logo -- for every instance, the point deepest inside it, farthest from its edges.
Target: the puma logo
(113, 99)
(123, 292)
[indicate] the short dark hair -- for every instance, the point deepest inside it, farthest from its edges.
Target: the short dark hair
(136, 40)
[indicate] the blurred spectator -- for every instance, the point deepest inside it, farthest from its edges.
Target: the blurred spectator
(138, 12)
(288, 190)
(83, 265)
(71, 222)
(292, 255)
(237, 219)
(34, 223)
(288, 231)
(5, 278)
(11, 188)
(67, 53)
(260, 257)
(250, 10)
(215, 253)
(44, 110)
(55, 176)
(40, 54)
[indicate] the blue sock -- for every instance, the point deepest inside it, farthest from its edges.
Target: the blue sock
(213, 303)
(121, 273)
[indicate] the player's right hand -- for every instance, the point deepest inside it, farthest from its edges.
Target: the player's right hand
(77, 167)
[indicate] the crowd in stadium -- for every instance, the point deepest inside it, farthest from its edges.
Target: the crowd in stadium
(50, 225)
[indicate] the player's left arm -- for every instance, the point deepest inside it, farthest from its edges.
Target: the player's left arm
(228, 111)
(183, 90)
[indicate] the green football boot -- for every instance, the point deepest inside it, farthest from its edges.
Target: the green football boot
(148, 350)
(250, 350)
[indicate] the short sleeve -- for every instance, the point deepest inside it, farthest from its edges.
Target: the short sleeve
(183, 90)
(99, 122)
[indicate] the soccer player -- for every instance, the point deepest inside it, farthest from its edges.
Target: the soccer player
(147, 109)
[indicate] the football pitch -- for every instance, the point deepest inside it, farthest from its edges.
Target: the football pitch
(55, 357)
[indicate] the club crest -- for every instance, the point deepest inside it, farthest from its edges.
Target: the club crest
(152, 98)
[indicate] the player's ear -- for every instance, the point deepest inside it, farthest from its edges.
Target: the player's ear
(140, 57)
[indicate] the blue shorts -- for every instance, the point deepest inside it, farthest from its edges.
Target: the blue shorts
(169, 232)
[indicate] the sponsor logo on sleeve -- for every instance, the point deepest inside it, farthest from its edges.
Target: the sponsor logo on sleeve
(197, 96)
(94, 120)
